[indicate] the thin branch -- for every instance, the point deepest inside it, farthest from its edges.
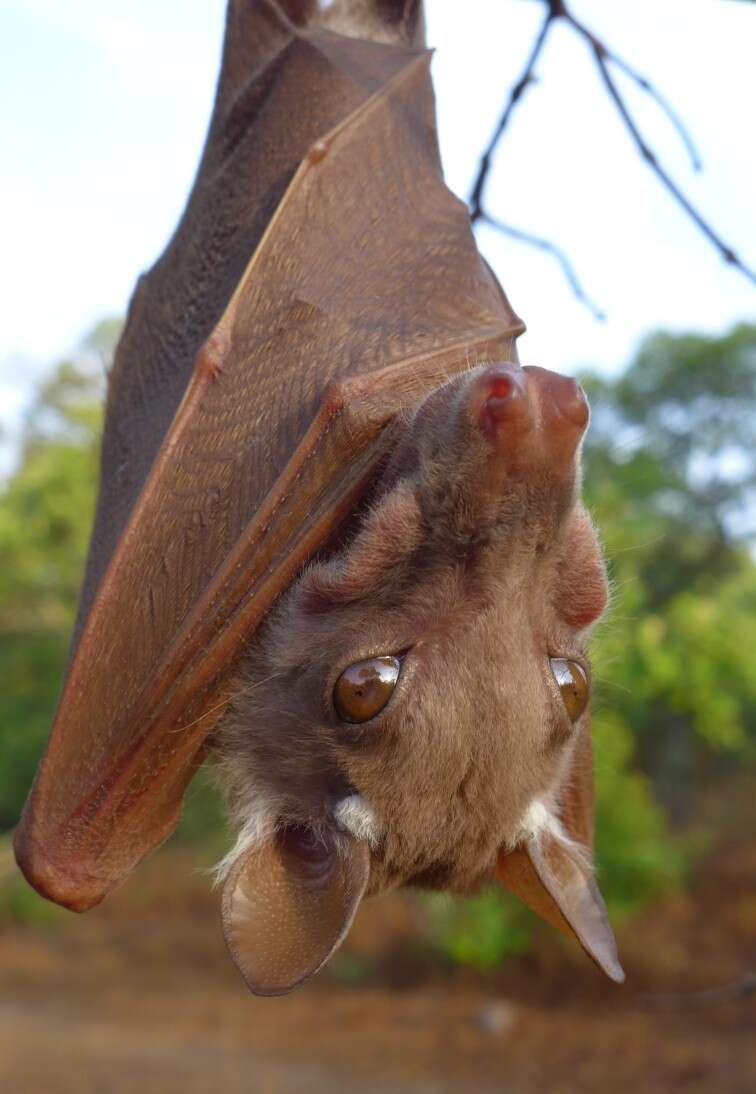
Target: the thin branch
(604, 57)
(727, 253)
(556, 252)
(690, 1000)
(477, 210)
(601, 56)
(476, 197)
(666, 107)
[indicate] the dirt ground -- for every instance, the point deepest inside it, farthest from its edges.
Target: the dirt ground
(139, 996)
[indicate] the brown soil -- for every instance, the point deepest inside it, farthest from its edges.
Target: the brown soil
(139, 995)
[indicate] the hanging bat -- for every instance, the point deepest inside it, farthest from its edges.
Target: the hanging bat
(338, 543)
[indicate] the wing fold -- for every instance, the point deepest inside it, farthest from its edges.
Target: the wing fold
(248, 410)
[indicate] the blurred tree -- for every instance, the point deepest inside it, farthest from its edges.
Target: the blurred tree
(671, 478)
(45, 516)
(679, 427)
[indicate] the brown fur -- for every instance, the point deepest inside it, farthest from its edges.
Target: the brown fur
(394, 22)
(469, 564)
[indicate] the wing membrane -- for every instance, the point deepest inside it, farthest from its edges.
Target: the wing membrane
(364, 292)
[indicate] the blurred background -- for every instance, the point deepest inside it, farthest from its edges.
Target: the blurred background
(104, 115)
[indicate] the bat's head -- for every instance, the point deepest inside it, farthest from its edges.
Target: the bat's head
(415, 711)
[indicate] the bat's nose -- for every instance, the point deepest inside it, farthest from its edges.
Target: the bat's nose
(499, 403)
(530, 415)
(561, 398)
(563, 415)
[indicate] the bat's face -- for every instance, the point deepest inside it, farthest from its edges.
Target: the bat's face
(420, 695)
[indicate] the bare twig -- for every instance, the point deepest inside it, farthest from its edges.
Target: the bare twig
(691, 1000)
(476, 197)
(601, 56)
(477, 209)
(727, 253)
(604, 57)
(551, 248)
(666, 108)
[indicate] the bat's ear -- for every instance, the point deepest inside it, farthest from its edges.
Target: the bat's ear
(389, 534)
(288, 905)
(552, 871)
(554, 877)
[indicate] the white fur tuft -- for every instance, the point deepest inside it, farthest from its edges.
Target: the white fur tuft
(258, 828)
(356, 816)
(538, 819)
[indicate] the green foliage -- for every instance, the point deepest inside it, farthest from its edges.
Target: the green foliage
(45, 516)
(636, 858)
(31, 665)
(47, 507)
(202, 818)
(671, 480)
(20, 904)
(479, 931)
(671, 446)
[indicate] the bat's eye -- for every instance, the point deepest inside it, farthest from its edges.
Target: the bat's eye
(573, 684)
(363, 689)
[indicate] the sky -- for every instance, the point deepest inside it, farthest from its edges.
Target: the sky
(104, 109)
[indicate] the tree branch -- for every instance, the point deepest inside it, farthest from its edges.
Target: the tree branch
(551, 248)
(739, 989)
(604, 57)
(666, 108)
(476, 197)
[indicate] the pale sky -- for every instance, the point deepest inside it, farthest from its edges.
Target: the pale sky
(104, 108)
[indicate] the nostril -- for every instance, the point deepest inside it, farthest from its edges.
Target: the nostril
(500, 384)
(501, 392)
(499, 398)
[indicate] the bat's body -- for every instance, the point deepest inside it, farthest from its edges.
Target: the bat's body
(314, 370)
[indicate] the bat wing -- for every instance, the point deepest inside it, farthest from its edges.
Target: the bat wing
(246, 418)
(280, 89)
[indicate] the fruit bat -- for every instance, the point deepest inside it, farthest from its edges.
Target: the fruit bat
(338, 544)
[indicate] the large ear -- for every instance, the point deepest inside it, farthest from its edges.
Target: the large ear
(551, 870)
(288, 905)
(389, 534)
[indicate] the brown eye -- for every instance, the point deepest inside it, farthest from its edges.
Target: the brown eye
(573, 684)
(363, 689)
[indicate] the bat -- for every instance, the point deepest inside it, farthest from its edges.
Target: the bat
(339, 545)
